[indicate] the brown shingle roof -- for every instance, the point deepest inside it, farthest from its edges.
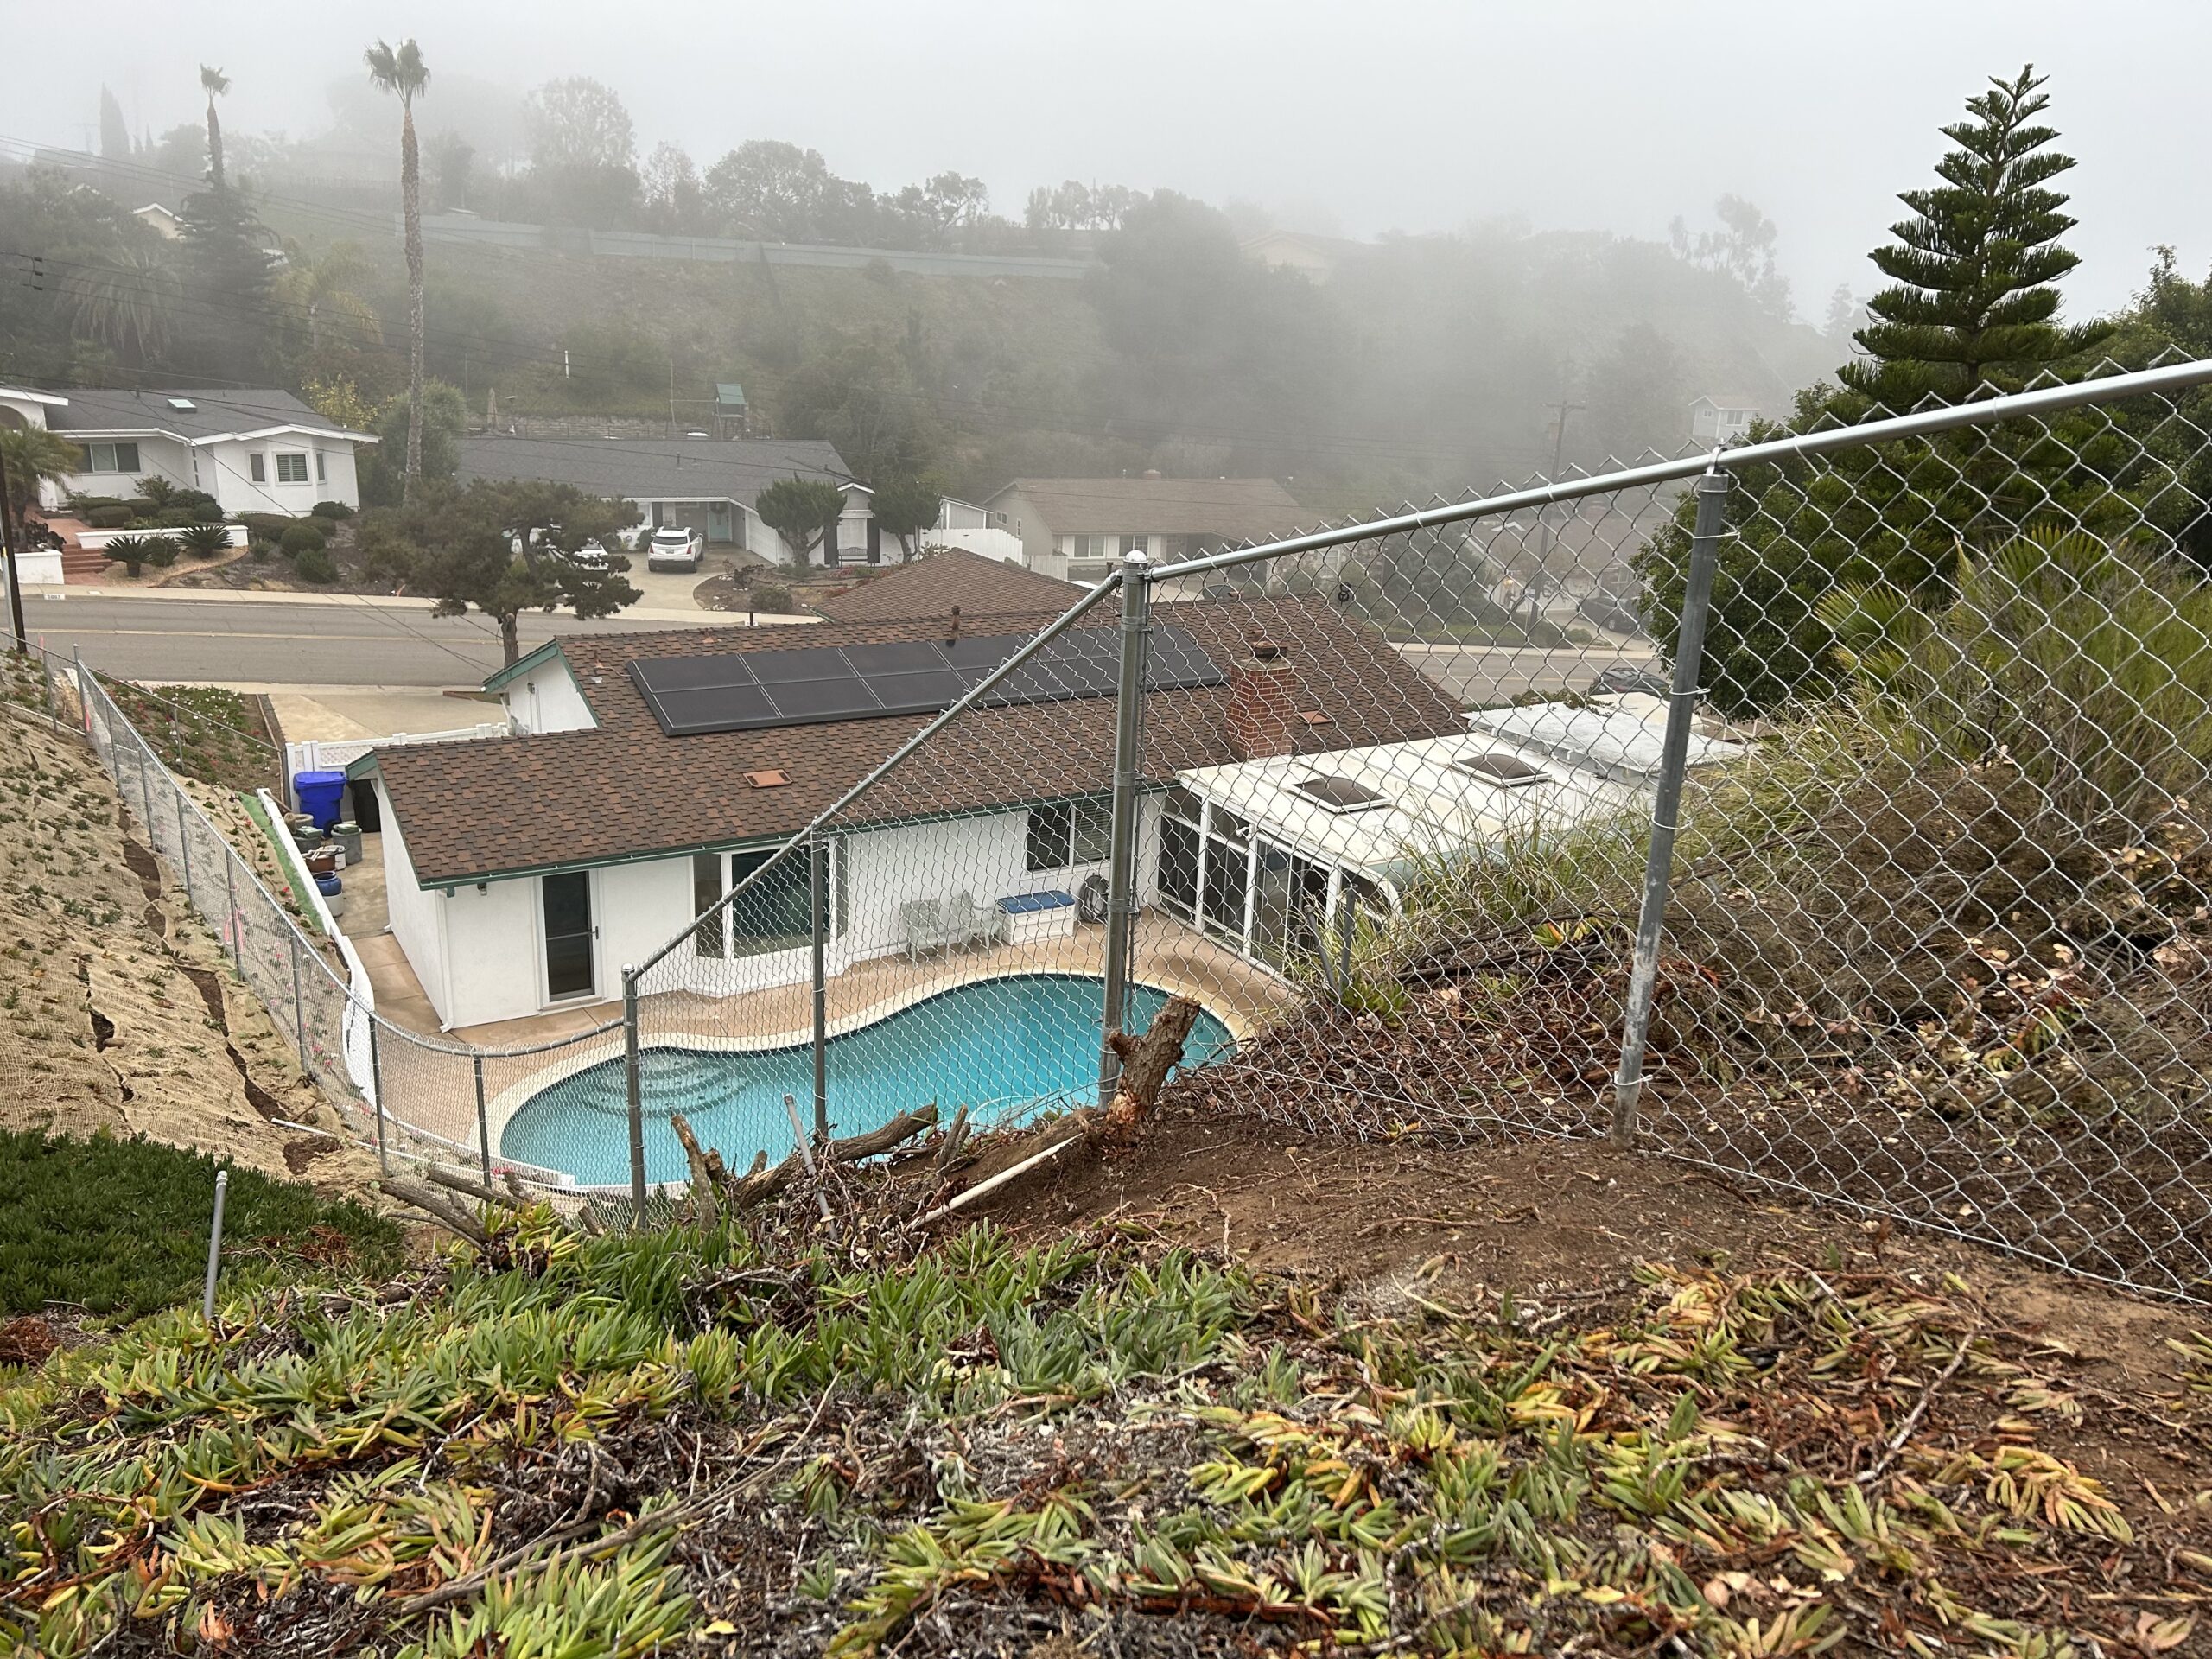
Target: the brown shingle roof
(626, 790)
(944, 578)
(1236, 509)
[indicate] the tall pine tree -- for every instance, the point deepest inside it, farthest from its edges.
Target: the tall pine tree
(1974, 304)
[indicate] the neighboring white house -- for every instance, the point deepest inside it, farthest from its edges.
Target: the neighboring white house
(523, 872)
(964, 524)
(1723, 417)
(1075, 527)
(710, 485)
(164, 222)
(253, 450)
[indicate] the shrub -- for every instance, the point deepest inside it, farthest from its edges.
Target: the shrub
(169, 518)
(157, 492)
(117, 515)
(335, 510)
(198, 502)
(120, 1227)
(315, 565)
(260, 551)
(129, 551)
(161, 551)
(327, 526)
(204, 541)
(270, 525)
(773, 597)
(299, 538)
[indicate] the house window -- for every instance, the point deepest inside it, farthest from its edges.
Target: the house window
(1087, 547)
(319, 473)
(1067, 833)
(291, 469)
(774, 913)
(1135, 545)
(110, 457)
(259, 467)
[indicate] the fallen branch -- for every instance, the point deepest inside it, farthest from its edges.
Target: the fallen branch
(763, 1183)
(438, 1207)
(705, 1211)
(438, 1174)
(1145, 1061)
(1920, 1409)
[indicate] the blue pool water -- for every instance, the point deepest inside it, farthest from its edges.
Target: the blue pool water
(1000, 1047)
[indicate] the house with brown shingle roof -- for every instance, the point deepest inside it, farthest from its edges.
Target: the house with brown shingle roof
(942, 580)
(662, 769)
(1076, 527)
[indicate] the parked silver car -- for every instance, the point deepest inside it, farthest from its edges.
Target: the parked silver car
(672, 547)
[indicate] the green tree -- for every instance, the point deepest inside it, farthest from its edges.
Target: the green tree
(115, 134)
(401, 72)
(492, 547)
(582, 152)
(1973, 302)
(444, 418)
(863, 396)
(129, 306)
(33, 456)
(229, 276)
(802, 511)
(323, 305)
(214, 83)
(906, 505)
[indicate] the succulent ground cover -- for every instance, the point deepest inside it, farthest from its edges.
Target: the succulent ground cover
(1098, 1441)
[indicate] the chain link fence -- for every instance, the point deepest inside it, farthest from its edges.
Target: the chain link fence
(1831, 812)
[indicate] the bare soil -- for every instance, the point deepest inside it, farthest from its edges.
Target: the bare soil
(117, 1010)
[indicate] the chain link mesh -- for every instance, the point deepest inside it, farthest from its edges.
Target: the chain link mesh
(1936, 922)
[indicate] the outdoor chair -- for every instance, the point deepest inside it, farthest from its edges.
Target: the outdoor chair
(928, 928)
(980, 922)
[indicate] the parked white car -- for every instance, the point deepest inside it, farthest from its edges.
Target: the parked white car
(672, 547)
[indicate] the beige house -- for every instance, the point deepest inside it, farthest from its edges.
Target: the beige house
(1075, 527)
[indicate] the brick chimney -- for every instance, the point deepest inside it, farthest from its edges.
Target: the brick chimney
(1262, 704)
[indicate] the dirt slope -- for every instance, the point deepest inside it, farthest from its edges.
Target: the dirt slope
(117, 1010)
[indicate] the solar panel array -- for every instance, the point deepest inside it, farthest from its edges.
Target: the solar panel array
(750, 690)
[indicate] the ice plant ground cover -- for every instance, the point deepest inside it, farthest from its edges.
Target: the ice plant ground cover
(684, 1442)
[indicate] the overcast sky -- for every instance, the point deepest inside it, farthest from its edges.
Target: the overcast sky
(1368, 116)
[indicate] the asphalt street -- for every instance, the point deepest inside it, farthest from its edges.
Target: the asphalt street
(324, 643)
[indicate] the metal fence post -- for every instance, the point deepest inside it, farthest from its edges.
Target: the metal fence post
(299, 1004)
(233, 929)
(634, 1087)
(483, 1123)
(376, 1089)
(1666, 806)
(214, 1247)
(1129, 742)
(818, 914)
(184, 851)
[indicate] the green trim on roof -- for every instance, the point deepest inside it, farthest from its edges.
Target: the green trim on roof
(528, 659)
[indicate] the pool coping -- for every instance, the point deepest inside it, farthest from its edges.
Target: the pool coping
(500, 1110)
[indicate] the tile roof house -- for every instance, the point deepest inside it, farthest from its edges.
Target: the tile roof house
(524, 871)
(943, 580)
(1075, 527)
(253, 449)
(711, 484)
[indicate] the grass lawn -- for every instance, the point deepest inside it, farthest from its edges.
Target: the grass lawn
(119, 1228)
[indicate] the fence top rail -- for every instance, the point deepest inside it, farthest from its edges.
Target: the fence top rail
(2172, 377)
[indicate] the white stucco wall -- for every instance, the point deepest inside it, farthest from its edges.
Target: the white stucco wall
(547, 699)
(226, 473)
(158, 457)
(493, 963)
(417, 917)
(1000, 544)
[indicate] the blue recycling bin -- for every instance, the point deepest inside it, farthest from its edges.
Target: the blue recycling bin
(323, 795)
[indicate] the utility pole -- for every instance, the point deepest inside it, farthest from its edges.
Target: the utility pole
(20, 638)
(1562, 409)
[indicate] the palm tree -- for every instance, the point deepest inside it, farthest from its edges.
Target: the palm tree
(400, 72)
(33, 456)
(127, 306)
(214, 83)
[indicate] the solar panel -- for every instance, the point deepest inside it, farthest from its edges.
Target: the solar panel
(747, 690)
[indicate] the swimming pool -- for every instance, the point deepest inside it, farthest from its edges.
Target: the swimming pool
(998, 1046)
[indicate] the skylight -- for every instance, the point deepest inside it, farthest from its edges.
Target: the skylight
(1495, 766)
(184, 404)
(1337, 794)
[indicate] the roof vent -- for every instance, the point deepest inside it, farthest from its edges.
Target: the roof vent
(768, 779)
(1314, 717)
(185, 404)
(1495, 766)
(1337, 794)
(1264, 650)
